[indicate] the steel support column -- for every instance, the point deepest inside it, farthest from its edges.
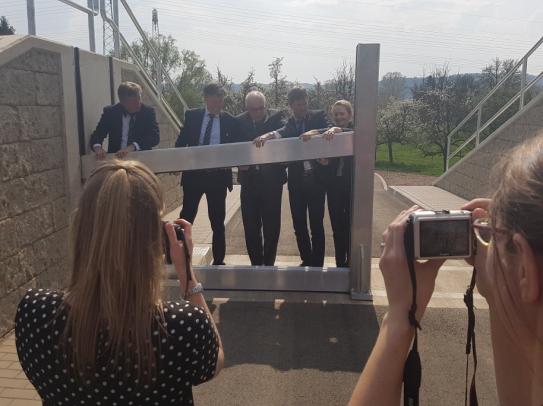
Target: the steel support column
(365, 132)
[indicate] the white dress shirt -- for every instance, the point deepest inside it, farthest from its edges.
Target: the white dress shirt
(124, 134)
(215, 130)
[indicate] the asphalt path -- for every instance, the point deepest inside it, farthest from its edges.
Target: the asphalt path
(312, 354)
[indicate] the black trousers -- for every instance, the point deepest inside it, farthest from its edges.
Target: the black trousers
(339, 209)
(307, 196)
(261, 214)
(216, 210)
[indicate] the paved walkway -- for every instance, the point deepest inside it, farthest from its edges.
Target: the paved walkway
(428, 197)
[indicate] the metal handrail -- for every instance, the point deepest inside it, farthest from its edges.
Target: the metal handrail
(153, 52)
(524, 87)
(91, 13)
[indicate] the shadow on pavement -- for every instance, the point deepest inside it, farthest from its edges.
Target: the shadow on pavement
(326, 337)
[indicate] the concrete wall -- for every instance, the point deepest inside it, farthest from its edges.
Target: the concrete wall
(469, 178)
(40, 167)
(33, 198)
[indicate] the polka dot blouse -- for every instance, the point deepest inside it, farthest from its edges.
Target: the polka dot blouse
(187, 357)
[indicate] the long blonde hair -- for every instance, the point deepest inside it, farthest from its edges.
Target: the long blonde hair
(116, 268)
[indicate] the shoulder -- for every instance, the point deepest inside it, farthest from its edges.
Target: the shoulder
(147, 109)
(194, 112)
(242, 116)
(112, 109)
(184, 318)
(317, 113)
(37, 306)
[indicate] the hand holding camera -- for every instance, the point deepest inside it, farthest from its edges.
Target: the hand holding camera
(394, 267)
(178, 250)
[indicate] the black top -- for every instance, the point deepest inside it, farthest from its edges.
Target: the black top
(249, 130)
(146, 131)
(187, 356)
(189, 136)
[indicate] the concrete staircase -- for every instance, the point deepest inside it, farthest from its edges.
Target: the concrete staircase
(470, 177)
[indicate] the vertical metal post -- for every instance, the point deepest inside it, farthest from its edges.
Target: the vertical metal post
(479, 119)
(523, 81)
(448, 153)
(90, 17)
(365, 133)
(31, 17)
(116, 37)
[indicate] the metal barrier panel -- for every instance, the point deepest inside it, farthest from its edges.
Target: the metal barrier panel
(236, 154)
(269, 278)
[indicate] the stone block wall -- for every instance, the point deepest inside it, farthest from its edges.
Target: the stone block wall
(33, 199)
(470, 177)
(168, 134)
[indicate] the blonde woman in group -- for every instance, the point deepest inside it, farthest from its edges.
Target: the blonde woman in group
(336, 176)
(109, 339)
(509, 263)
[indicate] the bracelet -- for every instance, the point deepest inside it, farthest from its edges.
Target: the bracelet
(198, 288)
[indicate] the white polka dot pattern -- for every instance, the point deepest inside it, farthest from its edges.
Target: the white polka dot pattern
(186, 356)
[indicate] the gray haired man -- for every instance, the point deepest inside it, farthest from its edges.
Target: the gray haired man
(261, 185)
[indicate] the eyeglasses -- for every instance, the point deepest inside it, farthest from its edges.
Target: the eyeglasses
(485, 232)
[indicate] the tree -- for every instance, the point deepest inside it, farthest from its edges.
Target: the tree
(247, 85)
(392, 86)
(394, 123)
(230, 104)
(278, 87)
(318, 97)
(491, 75)
(165, 47)
(342, 84)
(441, 105)
(5, 27)
(191, 81)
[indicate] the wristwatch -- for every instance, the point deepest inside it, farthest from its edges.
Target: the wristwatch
(197, 288)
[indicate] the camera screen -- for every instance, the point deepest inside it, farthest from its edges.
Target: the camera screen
(444, 238)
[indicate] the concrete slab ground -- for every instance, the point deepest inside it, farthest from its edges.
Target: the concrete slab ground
(428, 197)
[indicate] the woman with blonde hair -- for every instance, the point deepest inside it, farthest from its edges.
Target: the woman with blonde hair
(336, 176)
(509, 263)
(109, 339)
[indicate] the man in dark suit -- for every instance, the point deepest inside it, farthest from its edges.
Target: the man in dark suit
(261, 185)
(208, 126)
(306, 191)
(130, 124)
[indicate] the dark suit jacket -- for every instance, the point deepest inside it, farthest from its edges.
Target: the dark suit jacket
(147, 133)
(249, 130)
(327, 174)
(189, 136)
(314, 119)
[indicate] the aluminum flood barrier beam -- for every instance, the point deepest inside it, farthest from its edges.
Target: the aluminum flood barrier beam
(235, 154)
(268, 278)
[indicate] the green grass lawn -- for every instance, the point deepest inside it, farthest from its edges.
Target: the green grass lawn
(407, 158)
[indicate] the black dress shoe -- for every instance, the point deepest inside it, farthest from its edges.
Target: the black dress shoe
(304, 264)
(219, 263)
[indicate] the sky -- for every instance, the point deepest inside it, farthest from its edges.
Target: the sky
(316, 36)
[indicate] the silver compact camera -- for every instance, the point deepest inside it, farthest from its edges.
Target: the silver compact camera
(442, 234)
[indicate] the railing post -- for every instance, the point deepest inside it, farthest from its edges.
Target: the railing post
(31, 17)
(523, 82)
(479, 119)
(365, 131)
(116, 39)
(92, 37)
(447, 152)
